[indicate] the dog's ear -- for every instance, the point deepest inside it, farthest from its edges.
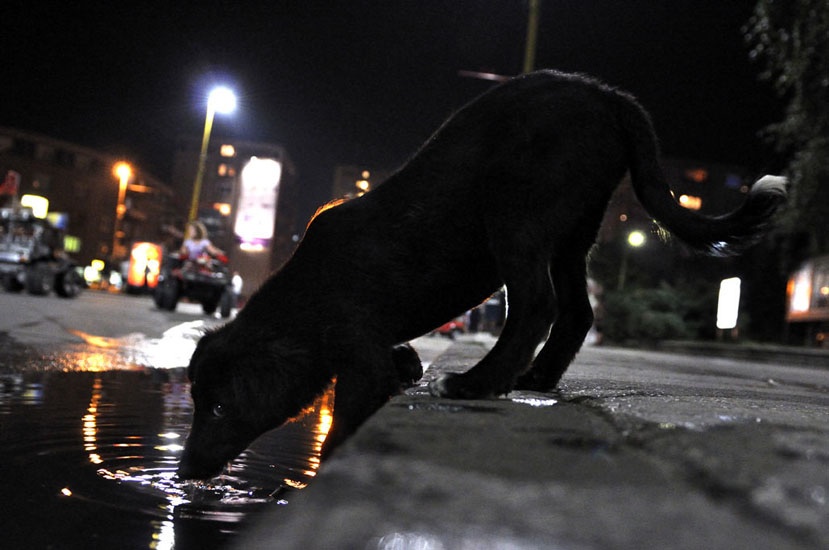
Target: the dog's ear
(200, 352)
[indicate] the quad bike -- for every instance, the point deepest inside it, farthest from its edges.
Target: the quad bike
(206, 280)
(32, 256)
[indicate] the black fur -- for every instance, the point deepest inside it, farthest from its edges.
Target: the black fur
(510, 191)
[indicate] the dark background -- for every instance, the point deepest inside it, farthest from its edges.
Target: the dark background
(364, 82)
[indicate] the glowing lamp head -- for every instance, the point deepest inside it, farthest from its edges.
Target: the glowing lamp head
(122, 170)
(222, 100)
(636, 239)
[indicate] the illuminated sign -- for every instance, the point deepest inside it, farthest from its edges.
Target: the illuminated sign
(256, 209)
(728, 305)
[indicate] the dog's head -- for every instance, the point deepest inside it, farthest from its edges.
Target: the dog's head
(241, 388)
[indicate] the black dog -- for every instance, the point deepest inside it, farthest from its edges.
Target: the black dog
(510, 191)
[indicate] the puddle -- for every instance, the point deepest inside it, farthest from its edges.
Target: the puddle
(89, 452)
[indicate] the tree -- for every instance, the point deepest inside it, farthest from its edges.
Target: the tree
(791, 38)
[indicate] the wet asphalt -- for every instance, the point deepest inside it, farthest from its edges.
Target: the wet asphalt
(637, 450)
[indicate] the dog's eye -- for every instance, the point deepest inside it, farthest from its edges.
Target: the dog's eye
(219, 410)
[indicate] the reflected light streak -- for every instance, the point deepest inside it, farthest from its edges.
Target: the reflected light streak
(325, 405)
(97, 341)
(165, 538)
(169, 448)
(90, 422)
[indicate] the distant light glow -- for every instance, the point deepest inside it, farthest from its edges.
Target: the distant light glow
(728, 305)
(252, 247)
(222, 100)
(123, 170)
(222, 208)
(636, 239)
(145, 265)
(71, 244)
(38, 204)
(690, 202)
(697, 175)
(800, 290)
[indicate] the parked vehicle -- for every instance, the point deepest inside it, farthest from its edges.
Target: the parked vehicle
(207, 281)
(453, 328)
(32, 256)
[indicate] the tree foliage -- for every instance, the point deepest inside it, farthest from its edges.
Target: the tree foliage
(648, 315)
(791, 39)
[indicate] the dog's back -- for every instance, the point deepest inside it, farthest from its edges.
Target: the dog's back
(527, 166)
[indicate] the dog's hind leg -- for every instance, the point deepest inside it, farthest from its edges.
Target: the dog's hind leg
(568, 332)
(532, 309)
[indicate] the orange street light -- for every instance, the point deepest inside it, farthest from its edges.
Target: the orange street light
(124, 172)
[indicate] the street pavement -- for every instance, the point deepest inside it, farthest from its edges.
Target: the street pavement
(637, 450)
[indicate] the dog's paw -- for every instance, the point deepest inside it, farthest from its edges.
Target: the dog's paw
(407, 363)
(455, 386)
(439, 387)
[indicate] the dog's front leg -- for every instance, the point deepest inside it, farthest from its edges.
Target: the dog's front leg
(365, 382)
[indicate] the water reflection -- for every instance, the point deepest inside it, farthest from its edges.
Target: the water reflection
(90, 433)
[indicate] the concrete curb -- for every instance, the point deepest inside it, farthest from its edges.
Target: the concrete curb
(529, 470)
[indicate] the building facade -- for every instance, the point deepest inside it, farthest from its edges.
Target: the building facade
(80, 184)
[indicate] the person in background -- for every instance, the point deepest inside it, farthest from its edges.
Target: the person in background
(197, 243)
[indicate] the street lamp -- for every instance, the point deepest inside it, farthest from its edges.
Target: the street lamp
(124, 173)
(635, 239)
(221, 100)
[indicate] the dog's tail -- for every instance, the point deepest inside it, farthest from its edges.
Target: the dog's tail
(724, 235)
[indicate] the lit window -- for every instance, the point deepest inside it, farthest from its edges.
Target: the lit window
(227, 150)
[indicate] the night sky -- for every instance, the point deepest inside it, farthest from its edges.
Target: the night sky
(364, 82)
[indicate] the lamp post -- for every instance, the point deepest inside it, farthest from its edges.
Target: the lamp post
(221, 100)
(532, 36)
(124, 173)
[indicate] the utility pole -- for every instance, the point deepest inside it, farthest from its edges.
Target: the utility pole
(532, 36)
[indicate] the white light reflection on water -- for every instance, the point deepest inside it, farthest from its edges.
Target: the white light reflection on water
(534, 401)
(172, 350)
